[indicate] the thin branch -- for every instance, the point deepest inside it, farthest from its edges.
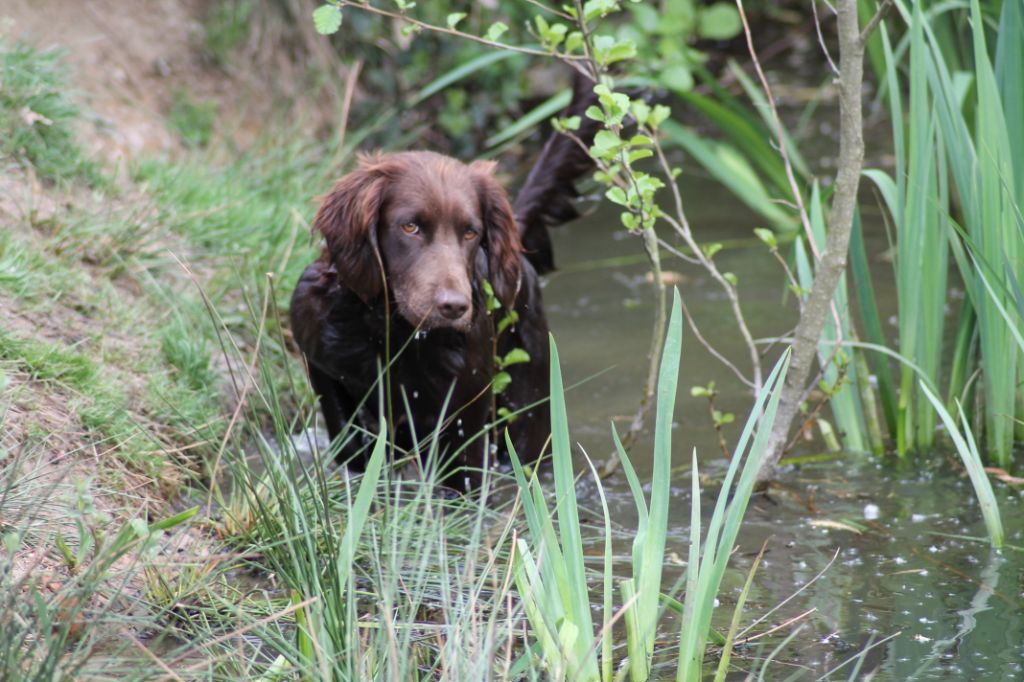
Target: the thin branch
(872, 25)
(551, 10)
(677, 253)
(682, 226)
(777, 122)
(588, 51)
(711, 349)
(458, 34)
(821, 39)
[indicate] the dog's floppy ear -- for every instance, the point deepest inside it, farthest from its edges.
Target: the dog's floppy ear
(347, 219)
(501, 233)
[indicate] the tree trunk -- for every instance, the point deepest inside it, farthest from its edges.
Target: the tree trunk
(840, 224)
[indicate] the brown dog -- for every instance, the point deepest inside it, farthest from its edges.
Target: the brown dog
(410, 240)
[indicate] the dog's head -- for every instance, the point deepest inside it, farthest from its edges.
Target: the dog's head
(424, 225)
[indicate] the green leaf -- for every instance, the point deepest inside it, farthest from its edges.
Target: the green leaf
(454, 18)
(550, 36)
(595, 114)
(640, 111)
(638, 154)
(677, 77)
(767, 236)
(617, 195)
(515, 356)
(570, 123)
(720, 21)
(659, 113)
(327, 19)
(496, 30)
(508, 321)
(573, 42)
(608, 50)
(490, 300)
(501, 382)
(594, 9)
(606, 142)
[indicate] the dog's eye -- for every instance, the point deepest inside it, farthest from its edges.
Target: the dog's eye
(470, 234)
(410, 228)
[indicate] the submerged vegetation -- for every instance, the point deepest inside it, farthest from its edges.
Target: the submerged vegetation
(168, 509)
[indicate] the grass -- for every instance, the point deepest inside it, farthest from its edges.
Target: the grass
(550, 573)
(193, 120)
(36, 116)
(957, 189)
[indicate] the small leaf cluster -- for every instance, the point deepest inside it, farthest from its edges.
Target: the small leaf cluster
(564, 40)
(615, 153)
(515, 356)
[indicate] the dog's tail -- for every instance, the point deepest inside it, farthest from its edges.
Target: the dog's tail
(547, 197)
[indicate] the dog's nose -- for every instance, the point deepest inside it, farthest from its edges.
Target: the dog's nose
(452, 304)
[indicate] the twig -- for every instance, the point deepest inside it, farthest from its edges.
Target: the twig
(869, 28)
(351, 80)
(821, 39)
(458, 34)
(710, 348)
(551, 10)
(581, 22)
(682, 226)
(777, 122)
(677, 253)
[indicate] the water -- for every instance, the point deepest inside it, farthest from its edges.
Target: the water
(905, 566)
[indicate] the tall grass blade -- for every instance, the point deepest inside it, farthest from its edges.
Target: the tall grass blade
(968, 451)
(725, 522)
(531, 119)
(872, 322)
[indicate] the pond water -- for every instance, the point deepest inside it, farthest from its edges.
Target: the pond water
(910, 561)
